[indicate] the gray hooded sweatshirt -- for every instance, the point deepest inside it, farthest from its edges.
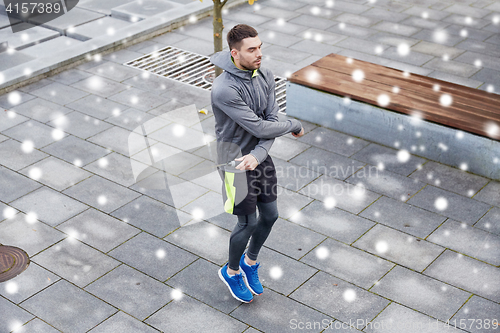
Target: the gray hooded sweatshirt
(245, 110)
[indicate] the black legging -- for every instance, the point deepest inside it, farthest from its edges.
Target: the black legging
(258, 229)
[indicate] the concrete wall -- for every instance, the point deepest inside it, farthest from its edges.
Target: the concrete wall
(422, 138)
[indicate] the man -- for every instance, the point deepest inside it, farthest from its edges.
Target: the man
(246, 123)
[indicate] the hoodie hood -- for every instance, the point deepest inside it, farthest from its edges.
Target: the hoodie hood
(223, 60)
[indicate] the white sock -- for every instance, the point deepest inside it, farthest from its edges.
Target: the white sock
(230, 275)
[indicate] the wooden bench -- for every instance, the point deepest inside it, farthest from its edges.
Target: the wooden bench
(455, 125)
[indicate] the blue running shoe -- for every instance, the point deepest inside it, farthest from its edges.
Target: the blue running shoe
(236, 285)
(251, 276)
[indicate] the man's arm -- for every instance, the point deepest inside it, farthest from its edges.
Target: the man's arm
(231, 103)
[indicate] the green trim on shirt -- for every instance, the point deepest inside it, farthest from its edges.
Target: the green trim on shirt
(255, 71)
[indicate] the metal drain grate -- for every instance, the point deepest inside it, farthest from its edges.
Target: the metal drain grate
(191, 68)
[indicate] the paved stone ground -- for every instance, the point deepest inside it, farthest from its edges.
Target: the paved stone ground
(413, 243)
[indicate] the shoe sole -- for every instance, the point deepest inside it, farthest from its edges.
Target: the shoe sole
(230, 290)
(246, 281)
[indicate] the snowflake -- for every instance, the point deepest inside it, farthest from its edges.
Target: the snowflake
(27, 146)
(441, 203)
(403, 156)
(440, 36)
(349, 295)
(275, 272)
(381, 246)
(445, 100)
(358, 75)
(160, 253)
(176, 294)
(9, 213)
(330, 202)
(322, 252)
(31, 217)
(383, 100)
(403, 49)
(35, 173)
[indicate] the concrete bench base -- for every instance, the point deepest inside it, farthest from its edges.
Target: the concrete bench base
(442, 144)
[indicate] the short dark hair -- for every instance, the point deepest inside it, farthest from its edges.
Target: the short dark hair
(238, 33)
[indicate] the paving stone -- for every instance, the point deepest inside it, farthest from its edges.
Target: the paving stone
(278, 38)
(165, 187)
(455, 79)
(282, 26)
(449, 178)
(347, 263)
(476, 23)
(396, 317)
(384, 14)
(59, 93)
(12, 316)
(344, 195)
(267, 317)
(136, 10)
(316, 48)
(280, 273)
(200, 279)
(6, 21)
(114, 71)
(435, 50)
(122, 322)
(116, 139)
(122, 56)
(286, 149)
(392, 39)
(139, 99)
(68, 308)
(479, 314)
(36, 85)
(101, 193)
(352, 30)
(488, 75)
(31, 281)
(338, 298)
(97, 229)
(39, 134)
(75, 262)
(36, 325)
(188, 312)
(41, 110)
(105, 26)
(283, 54)
(79, 124)
(396, 28)
(76, 151)
(334, 223)
(152, 216)
(14, 185)
(327, 163)
(466, 273)
(291, 239)
(438, 36)
(70, 76)
(385, 182)
(152, 256)
(117, 168)
(241, 17)
(292, 176)
(30, 36)
(480, 47)
(468, 240)
(278, 13)
(490, 193)
(358, 20)
(100, 86)
(285, 4)
(421, 293)
(97, 107)
(467, 11)
(74, 17)
(203, 239)
(307, 61)
(399, 247)
(431, 14)
(195, 45)
(290, 202)
(15, 158)
(312, 21)
(401, 216)
(49, 206)
(12, 59)
(56, 173)
(10, 119)
(471, 33)
(361, 45)
(486, 60)
(449, 204)
(387, 157)
(131, 291)
(100, 6)
(14, 99)
(424, 23)
(490, 222)
(494, 6)
(27, 233)
(151, 83)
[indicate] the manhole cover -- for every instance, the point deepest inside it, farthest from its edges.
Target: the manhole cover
(13, 261)
(191, 68)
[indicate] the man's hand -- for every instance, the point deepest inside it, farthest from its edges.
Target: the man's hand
(248, 162)
(299, 134)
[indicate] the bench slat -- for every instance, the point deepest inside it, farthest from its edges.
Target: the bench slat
(422, 84)
(342, 84)
(472, 110)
